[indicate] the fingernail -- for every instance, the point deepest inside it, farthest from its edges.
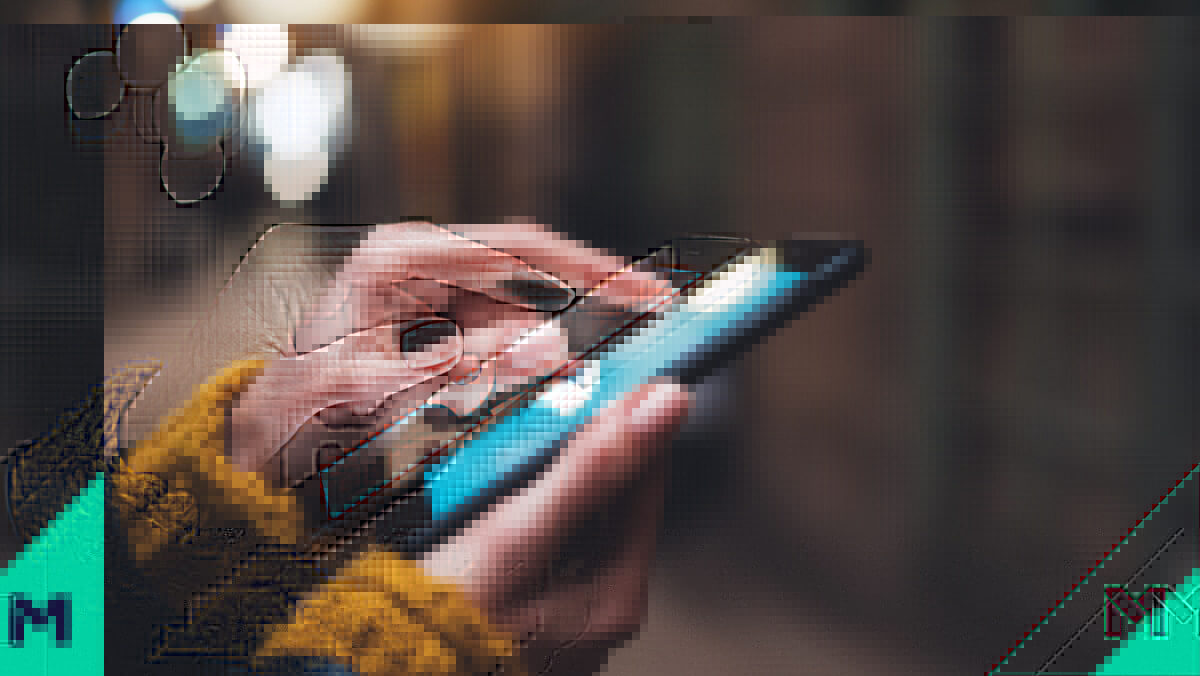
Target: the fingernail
(429, 343)
(541, 294)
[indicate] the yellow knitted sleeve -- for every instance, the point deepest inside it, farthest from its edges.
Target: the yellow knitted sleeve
(381, 615)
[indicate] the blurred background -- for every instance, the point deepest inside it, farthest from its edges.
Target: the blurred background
(901, 482)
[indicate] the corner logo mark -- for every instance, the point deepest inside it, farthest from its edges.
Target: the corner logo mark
(22, 612)
(1083, 634)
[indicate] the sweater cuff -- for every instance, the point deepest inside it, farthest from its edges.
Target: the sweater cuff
(382, 615)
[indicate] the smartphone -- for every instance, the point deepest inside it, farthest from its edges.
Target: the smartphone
(437, 467)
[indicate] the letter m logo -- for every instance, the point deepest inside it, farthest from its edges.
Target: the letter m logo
(1123, 608)
(23, 611)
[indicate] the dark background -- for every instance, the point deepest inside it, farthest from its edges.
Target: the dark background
(902, 482)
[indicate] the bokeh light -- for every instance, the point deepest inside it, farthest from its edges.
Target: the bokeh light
(262, 49)
(204, 98)
(298, 126)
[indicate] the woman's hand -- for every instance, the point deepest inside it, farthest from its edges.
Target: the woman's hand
(564, 563)
(386, 324)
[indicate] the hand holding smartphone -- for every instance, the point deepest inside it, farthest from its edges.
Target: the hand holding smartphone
(438, 468)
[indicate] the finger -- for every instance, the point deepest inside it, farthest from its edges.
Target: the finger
(347, 308)
(518, 538)
(619, 590)
(504, 348)
(524, 344)
(598, 591)
(490, 326)
(536, 353)
(575, 263)
(580, 266)
(575, 623)
(426, 251)
(359, 373)
(529, 345)
(362, 294)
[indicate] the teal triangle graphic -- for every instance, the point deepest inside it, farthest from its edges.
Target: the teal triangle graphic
(1177, 654)
(65, 561)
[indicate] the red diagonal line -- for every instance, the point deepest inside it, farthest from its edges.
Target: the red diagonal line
(1091, 571)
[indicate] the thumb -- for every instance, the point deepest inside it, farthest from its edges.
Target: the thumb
(517, 540)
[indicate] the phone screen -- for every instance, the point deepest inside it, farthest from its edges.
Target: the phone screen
(725, 295)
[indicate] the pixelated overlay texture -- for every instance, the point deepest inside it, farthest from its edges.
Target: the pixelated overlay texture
(805, 98)
(65, 562)
(1071, 639)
